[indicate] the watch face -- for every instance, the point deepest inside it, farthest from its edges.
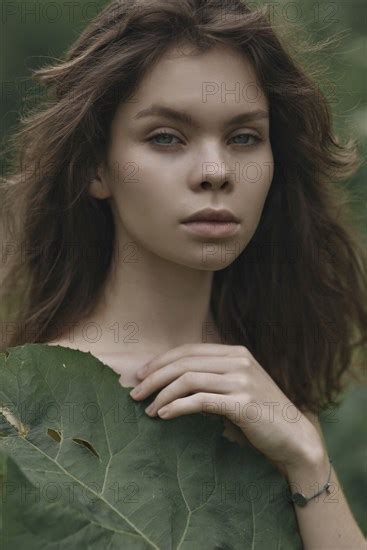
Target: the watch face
(299, 499)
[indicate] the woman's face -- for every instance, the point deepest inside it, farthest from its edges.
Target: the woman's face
(155, 181)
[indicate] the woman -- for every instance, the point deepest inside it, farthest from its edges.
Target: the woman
(180, 206)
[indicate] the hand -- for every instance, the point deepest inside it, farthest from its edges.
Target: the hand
(227, 380)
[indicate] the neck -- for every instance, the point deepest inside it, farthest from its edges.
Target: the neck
(150, 305)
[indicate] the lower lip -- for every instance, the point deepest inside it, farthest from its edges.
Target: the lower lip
(212, 229)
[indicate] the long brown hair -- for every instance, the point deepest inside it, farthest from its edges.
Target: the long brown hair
(295, 297)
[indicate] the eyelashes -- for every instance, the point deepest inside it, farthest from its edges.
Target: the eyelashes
(167, 145)
(160, 134)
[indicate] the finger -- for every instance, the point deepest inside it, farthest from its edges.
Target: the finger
(190, 383)
(188, 350)
(167, 373)
(195, 403)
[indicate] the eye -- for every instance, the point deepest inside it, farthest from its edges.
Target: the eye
(256, 138)
(167, 134)
(161, 134)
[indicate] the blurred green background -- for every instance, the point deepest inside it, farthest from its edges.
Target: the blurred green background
(33, 33)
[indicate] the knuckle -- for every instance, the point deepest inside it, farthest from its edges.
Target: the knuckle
(244, 362)
(143, 387)
(188, 378)
(200, 396)
(242, 352)
(242, 383)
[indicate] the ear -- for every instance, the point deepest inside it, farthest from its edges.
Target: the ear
(98, 187)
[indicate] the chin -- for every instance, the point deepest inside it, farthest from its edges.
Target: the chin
(212, 263)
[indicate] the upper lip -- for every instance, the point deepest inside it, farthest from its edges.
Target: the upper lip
(212, 215)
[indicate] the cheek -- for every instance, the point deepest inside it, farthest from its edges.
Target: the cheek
(260, 168)
(144, 208)
(135, 189)
(139, 205)
(255, 187)
(256, 183)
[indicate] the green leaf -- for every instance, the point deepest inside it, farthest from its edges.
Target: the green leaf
(88, 468)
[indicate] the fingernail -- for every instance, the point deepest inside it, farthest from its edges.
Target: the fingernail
(135, 392)
(150, 408)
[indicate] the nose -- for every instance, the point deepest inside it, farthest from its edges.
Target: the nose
(211, 174)
(214, 176)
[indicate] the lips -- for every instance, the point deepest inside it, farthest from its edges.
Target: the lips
(211, 215)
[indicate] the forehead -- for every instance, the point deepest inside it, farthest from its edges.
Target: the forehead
(188, 78)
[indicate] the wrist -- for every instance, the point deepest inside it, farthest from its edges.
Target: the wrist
(310, 456)
(310, 474)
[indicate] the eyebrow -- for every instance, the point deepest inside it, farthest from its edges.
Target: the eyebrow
(186, 118)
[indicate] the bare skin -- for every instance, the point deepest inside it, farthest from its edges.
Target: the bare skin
(161, 283)
(162, 280)
(157, 296)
